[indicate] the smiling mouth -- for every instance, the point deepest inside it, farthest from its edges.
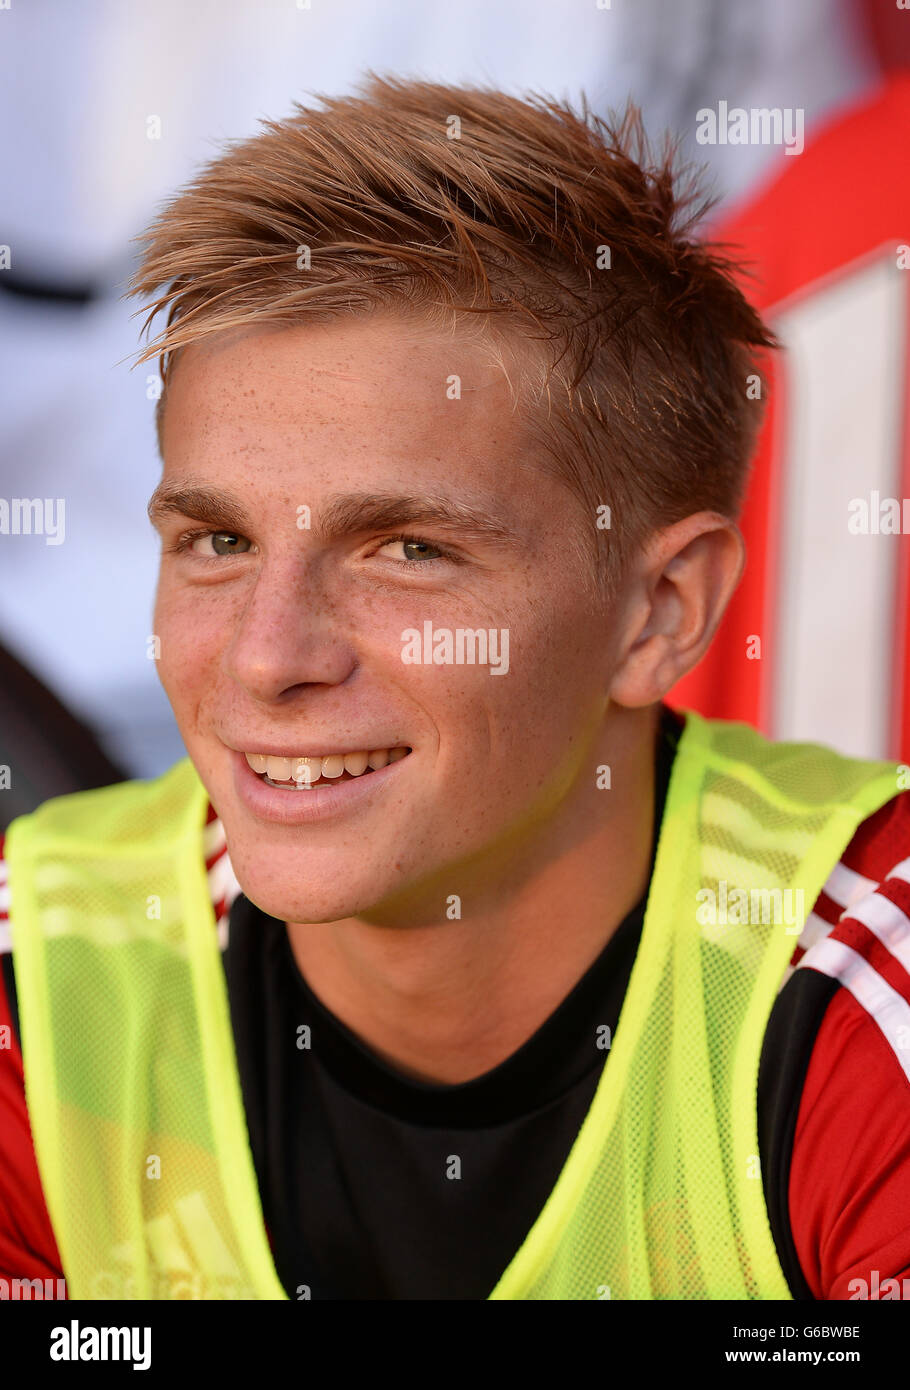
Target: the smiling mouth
(300, 774)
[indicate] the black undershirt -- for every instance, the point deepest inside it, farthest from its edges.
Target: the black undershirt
(377, 1186)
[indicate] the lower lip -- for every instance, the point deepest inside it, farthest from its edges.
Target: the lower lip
(302, 806)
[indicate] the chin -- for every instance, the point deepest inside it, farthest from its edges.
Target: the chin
(288, 904)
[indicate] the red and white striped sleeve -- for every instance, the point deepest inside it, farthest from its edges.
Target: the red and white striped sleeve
(223, 885)
(849, 1186)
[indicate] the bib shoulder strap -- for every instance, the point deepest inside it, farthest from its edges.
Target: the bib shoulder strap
(134, 818)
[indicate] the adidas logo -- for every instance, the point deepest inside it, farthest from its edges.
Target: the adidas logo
(178, 1246)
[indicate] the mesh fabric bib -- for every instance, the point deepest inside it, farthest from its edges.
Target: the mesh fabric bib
(131, 1077)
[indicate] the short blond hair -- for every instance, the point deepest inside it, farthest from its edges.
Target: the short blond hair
(449, 201)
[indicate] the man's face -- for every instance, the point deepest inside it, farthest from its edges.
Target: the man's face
(288, 639)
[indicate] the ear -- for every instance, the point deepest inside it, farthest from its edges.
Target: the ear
(674, 598)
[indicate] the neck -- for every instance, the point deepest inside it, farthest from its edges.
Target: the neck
(446, 1001)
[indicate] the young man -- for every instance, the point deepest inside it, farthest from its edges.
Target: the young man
(506, 980)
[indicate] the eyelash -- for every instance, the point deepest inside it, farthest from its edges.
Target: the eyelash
(410, 539)
(184, 542)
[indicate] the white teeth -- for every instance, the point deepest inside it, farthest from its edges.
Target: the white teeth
(306, 771)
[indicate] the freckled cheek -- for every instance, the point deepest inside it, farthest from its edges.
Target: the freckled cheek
(192, 627)
(533, 713)
(498, 752)
(481, 720)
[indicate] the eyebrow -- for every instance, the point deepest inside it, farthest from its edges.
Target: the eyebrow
(342, 515)
(201, 503)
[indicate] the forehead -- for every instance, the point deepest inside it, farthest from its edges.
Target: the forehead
(382, 409)
(381, 387)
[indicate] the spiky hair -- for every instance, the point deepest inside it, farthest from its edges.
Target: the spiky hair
(520, 218)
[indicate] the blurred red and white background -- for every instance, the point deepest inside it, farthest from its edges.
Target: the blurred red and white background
(80, 177)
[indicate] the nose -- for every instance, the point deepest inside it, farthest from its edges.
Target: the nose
(289, 635)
